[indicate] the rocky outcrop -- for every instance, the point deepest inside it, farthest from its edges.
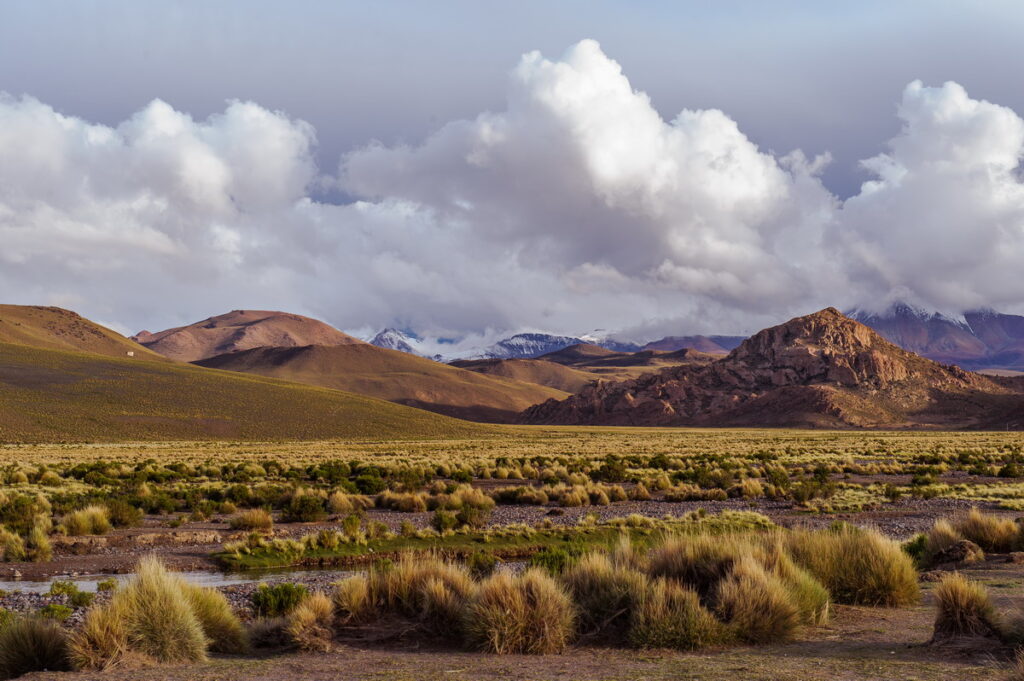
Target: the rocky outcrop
(822, 369)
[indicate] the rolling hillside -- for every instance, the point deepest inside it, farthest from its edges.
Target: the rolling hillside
(63, 396)
(536, 371)
(392, 375)
(58, 329)
(242, 330)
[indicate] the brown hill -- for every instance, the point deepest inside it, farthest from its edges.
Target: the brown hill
(821, 370)
(241, 330)
(602, 363)
(394, 376)
(55, 328)
(536, 371)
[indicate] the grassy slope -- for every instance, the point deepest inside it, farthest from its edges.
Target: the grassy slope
(530, 371)
(59, 329)
(53, 395)
(394, 376)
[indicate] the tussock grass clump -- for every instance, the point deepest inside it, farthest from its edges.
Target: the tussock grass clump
(310, 623)
(161, 622)
(939, 537)
(991, 533)
(353, 601)
(964, 608)
(253, 519)
(101, 642)
(758, 605)
(529, 613)
(157, 617)
(606, 593)
(11, 545)
(29, 644)
(860, 567)
(698, 561)
(220, 625)
(402, 587)
(89, 520)
(670, 615)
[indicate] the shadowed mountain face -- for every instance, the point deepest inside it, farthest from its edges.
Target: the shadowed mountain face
(978, 340)
(394, 376)
(709, 344)
(242, 330)
(821, 370)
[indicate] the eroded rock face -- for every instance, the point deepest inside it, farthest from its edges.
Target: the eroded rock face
(821, 369)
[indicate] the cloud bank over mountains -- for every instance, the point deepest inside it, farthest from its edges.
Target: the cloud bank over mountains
(577, 206)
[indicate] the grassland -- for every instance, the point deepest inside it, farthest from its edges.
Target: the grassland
(56, 395)
(543, 495)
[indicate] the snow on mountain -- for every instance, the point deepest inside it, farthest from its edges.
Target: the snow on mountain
(394, 339)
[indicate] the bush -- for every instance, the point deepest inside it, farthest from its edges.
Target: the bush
(31, 645)
(305, 508)
(859, 567)
(101, 642)
(605, 594)
(481, 564)
(964, 609)
(90, 520)
(277, 600)
(671, 616)
(123, 514)
(529, 613)
(310, 623)
(57, 612)
(757, 605)
(253, 519)
(77, 597)
(553, 559)
(443, 520)
(698, 561)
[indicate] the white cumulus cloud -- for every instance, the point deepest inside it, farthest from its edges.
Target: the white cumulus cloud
(576, 206)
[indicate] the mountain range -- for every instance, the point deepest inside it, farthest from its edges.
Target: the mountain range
(979, 340)
(820, 370)
(274, 375)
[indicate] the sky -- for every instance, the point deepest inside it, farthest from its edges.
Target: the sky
(469, 169)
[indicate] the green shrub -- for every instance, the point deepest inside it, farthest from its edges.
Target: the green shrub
(443, 520)
(56, 611)
(30, 645)
(77, 597)
(123, 514)
(554, 559)
(277, 600)
(481, 564)
(305, 508)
